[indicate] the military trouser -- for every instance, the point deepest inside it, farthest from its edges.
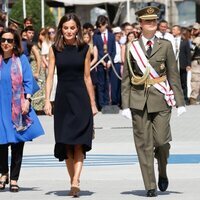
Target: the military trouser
(195, 80)
(152, 134)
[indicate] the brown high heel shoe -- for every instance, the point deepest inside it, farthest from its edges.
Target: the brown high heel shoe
(75, 189)
(4, 182)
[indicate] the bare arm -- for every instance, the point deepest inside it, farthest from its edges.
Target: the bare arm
(95, 55)
(123, 53)
(49, 82)
(38, 60)
(88, 83)
(45, 60)
(45, 52)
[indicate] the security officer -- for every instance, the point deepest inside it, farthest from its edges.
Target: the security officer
(150, 87)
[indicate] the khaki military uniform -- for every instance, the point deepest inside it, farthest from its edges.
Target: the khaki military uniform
(195, 79)
(150, 112)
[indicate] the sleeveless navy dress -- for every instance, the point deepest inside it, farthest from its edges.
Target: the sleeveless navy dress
(73, 118)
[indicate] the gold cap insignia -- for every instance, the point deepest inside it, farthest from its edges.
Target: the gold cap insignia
(150, 11)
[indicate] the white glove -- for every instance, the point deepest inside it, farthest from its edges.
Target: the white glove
(181, 110)
(127, 113)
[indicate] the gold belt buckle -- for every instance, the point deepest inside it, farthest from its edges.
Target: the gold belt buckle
(147, 83)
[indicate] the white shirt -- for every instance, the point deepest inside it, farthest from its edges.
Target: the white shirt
(167, 36)
(118, 58)
(145, 40)
(106, 34)
(102, 36)
(177, 46)
(177, 42)
(45, 48)
(123, 39)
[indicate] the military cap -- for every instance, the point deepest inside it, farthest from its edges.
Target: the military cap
(196, 25)
(148, 13)
(116, 30)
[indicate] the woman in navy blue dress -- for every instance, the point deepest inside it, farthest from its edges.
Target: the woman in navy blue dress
(74, 101)
(18, 121)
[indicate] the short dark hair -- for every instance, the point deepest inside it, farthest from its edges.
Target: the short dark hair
(163, 21)
(123, 25)
(178, 26)
(17, 50)
(28, 19)
(101, 20)
(29, 28)
(88, 25)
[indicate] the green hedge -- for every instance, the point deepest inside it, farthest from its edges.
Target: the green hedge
(33, 9)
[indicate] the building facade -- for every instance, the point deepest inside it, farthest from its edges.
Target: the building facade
(181, 12)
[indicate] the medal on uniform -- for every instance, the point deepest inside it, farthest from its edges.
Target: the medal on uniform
(162, 66)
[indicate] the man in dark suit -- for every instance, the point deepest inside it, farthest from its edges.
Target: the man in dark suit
(183, 58)
(150, 87)
(104, 40)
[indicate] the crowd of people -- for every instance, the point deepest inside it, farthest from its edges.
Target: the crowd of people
(107, 47)
(142, 68)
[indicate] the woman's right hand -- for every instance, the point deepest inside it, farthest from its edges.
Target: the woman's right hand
(48, 108)
(94, 110)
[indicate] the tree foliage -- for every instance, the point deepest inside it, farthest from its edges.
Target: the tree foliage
(33, 9)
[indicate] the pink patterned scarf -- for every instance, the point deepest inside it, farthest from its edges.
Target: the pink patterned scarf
(20, 122)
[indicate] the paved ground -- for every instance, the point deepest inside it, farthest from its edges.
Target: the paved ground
(111, 169)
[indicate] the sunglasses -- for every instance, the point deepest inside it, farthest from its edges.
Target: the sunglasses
(9, 40)
(99, 26)
(51, 32)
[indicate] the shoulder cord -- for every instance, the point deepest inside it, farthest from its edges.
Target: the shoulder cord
(137, 80)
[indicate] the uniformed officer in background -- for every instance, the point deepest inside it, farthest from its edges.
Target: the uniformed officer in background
(150, 87)
(195, 65)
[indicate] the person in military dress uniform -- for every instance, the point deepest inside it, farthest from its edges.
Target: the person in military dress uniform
(195, 65)
(150, 88)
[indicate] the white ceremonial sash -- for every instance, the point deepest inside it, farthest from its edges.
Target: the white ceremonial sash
(143, 64)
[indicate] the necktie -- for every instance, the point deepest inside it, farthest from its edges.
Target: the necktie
(149, 43)
(104, 38)
(105, 47)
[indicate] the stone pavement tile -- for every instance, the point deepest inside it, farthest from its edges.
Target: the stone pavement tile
(111, 169)
(104, 183)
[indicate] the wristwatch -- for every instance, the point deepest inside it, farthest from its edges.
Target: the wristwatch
(28, 98)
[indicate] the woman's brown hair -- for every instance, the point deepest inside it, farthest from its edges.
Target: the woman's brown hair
(59, 40)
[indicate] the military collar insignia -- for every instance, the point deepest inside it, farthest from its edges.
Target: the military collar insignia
(158, 39)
